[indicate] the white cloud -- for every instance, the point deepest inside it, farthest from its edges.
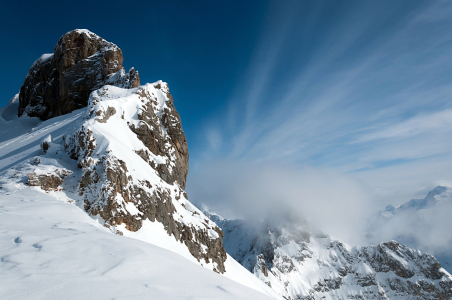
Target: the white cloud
(436, 122)
(367, 102)
(426, 229)
(333, 202)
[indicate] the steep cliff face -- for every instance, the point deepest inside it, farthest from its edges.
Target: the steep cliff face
(59, 83)
(302, 265)
(134, 159)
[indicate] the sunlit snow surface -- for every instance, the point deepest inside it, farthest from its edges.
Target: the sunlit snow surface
(51, 249)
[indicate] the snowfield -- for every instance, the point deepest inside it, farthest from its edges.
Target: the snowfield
(51, 249)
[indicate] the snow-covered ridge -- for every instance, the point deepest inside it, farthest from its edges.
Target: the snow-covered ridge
(134, 160)
(416, 222)
(437, 195)
(86, 31)
(14, 99)
(299, 264)
(43, 59)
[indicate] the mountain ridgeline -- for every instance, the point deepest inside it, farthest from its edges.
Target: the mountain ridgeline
(300, 264)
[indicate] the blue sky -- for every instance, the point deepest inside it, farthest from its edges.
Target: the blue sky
(360, 89)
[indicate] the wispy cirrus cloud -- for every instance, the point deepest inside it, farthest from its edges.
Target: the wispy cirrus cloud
(439, 122)
(361, 88)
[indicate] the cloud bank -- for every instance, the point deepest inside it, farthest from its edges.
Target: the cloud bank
(330, 201)
(422, 225)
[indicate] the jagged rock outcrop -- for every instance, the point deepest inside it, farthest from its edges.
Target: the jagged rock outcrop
(158, 141)
(134, 159)
(302, 265)
(59, 83)
(49, 181)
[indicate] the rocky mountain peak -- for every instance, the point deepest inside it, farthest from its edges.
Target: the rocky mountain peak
(59, 83)
(138, 179)
(129, 154)
(300, 264)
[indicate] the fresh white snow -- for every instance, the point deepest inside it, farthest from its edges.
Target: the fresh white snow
(51, 249)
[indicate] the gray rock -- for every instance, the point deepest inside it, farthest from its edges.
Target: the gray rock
(107, 186)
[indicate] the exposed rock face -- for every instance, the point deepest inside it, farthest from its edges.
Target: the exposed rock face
(61, 82)
(129, 143)
(306, 266)
(46, 182)
(157, 141)
(49, 181)
(143, 178)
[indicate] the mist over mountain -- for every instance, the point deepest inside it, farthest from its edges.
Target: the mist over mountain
(333, 202)
(301, 263)
(420, 223)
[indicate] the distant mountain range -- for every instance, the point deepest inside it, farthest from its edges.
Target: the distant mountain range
(419, 223)
(301, 264)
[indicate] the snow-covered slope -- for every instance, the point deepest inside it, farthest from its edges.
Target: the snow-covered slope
(112, 150)
(126, 182)
(301, 265)
(31, 181)
(420, 223)
(51, 249)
